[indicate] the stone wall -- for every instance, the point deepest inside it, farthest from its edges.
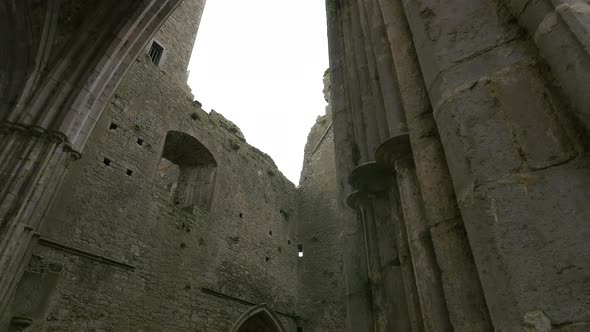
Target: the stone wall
(177, 36)
(117, 254)
(170, 221)
(321, 293)
(239, 248)
(465, 117)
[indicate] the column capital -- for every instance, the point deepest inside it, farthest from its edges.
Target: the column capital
(371, 177)
(393, 149)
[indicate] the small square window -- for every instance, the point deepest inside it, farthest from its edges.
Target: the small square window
(129, 172)
(155, 53)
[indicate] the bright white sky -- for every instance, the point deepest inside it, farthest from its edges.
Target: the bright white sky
(260, 63)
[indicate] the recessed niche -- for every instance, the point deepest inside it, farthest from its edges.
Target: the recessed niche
(129, 172)
(106, 161)
(288, 241)
(187, 171)
(139, 141)
(113, 126)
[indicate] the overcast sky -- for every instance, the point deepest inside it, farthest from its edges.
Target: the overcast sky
(260, 63)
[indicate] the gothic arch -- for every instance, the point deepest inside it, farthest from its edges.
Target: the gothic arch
(55, 80)
(262, 315)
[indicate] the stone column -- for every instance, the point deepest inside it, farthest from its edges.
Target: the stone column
(33, 162)
(358, 301)
(390, 301)
(561, 31)
(517, 166)
(395, 217)
(396, 153)
(463, 294)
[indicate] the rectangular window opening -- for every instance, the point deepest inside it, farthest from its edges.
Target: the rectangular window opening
(113, 126)
(107, 161)
(155, 53)
(139, 141)
(129, 172)
(299, 329)
(300, 249)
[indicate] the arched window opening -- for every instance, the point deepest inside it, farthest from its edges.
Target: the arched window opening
(187, 172)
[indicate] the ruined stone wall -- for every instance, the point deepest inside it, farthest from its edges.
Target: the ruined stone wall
(117, 254)
(321, 290)
(240, 248)
(177, 36)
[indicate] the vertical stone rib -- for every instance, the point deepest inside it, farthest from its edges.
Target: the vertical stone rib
(406, 261)
(363, 90)
(358, 308)
(377, 112)
(429, 285)
(37, 165)
(354, 101)
(394, 116)
(463, 294)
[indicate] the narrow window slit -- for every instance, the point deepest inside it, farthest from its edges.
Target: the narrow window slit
(300, 249)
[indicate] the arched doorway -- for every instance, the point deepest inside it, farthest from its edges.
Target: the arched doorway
(258, 319)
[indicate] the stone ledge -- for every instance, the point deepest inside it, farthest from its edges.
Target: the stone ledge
(83, 253)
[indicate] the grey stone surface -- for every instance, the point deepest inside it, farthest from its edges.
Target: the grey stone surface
(170, 221)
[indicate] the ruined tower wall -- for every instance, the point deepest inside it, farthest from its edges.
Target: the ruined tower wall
(177, 36)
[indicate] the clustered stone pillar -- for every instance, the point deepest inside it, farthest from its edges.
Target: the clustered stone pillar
(386, 275)
(396, 154)
(489, 155)
(33, 162)
(358, 295)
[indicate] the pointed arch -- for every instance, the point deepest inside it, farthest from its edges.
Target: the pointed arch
(261, 314)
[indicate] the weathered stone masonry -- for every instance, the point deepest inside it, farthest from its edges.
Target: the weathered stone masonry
(170, 221)
(482, 139)
(445, 189)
